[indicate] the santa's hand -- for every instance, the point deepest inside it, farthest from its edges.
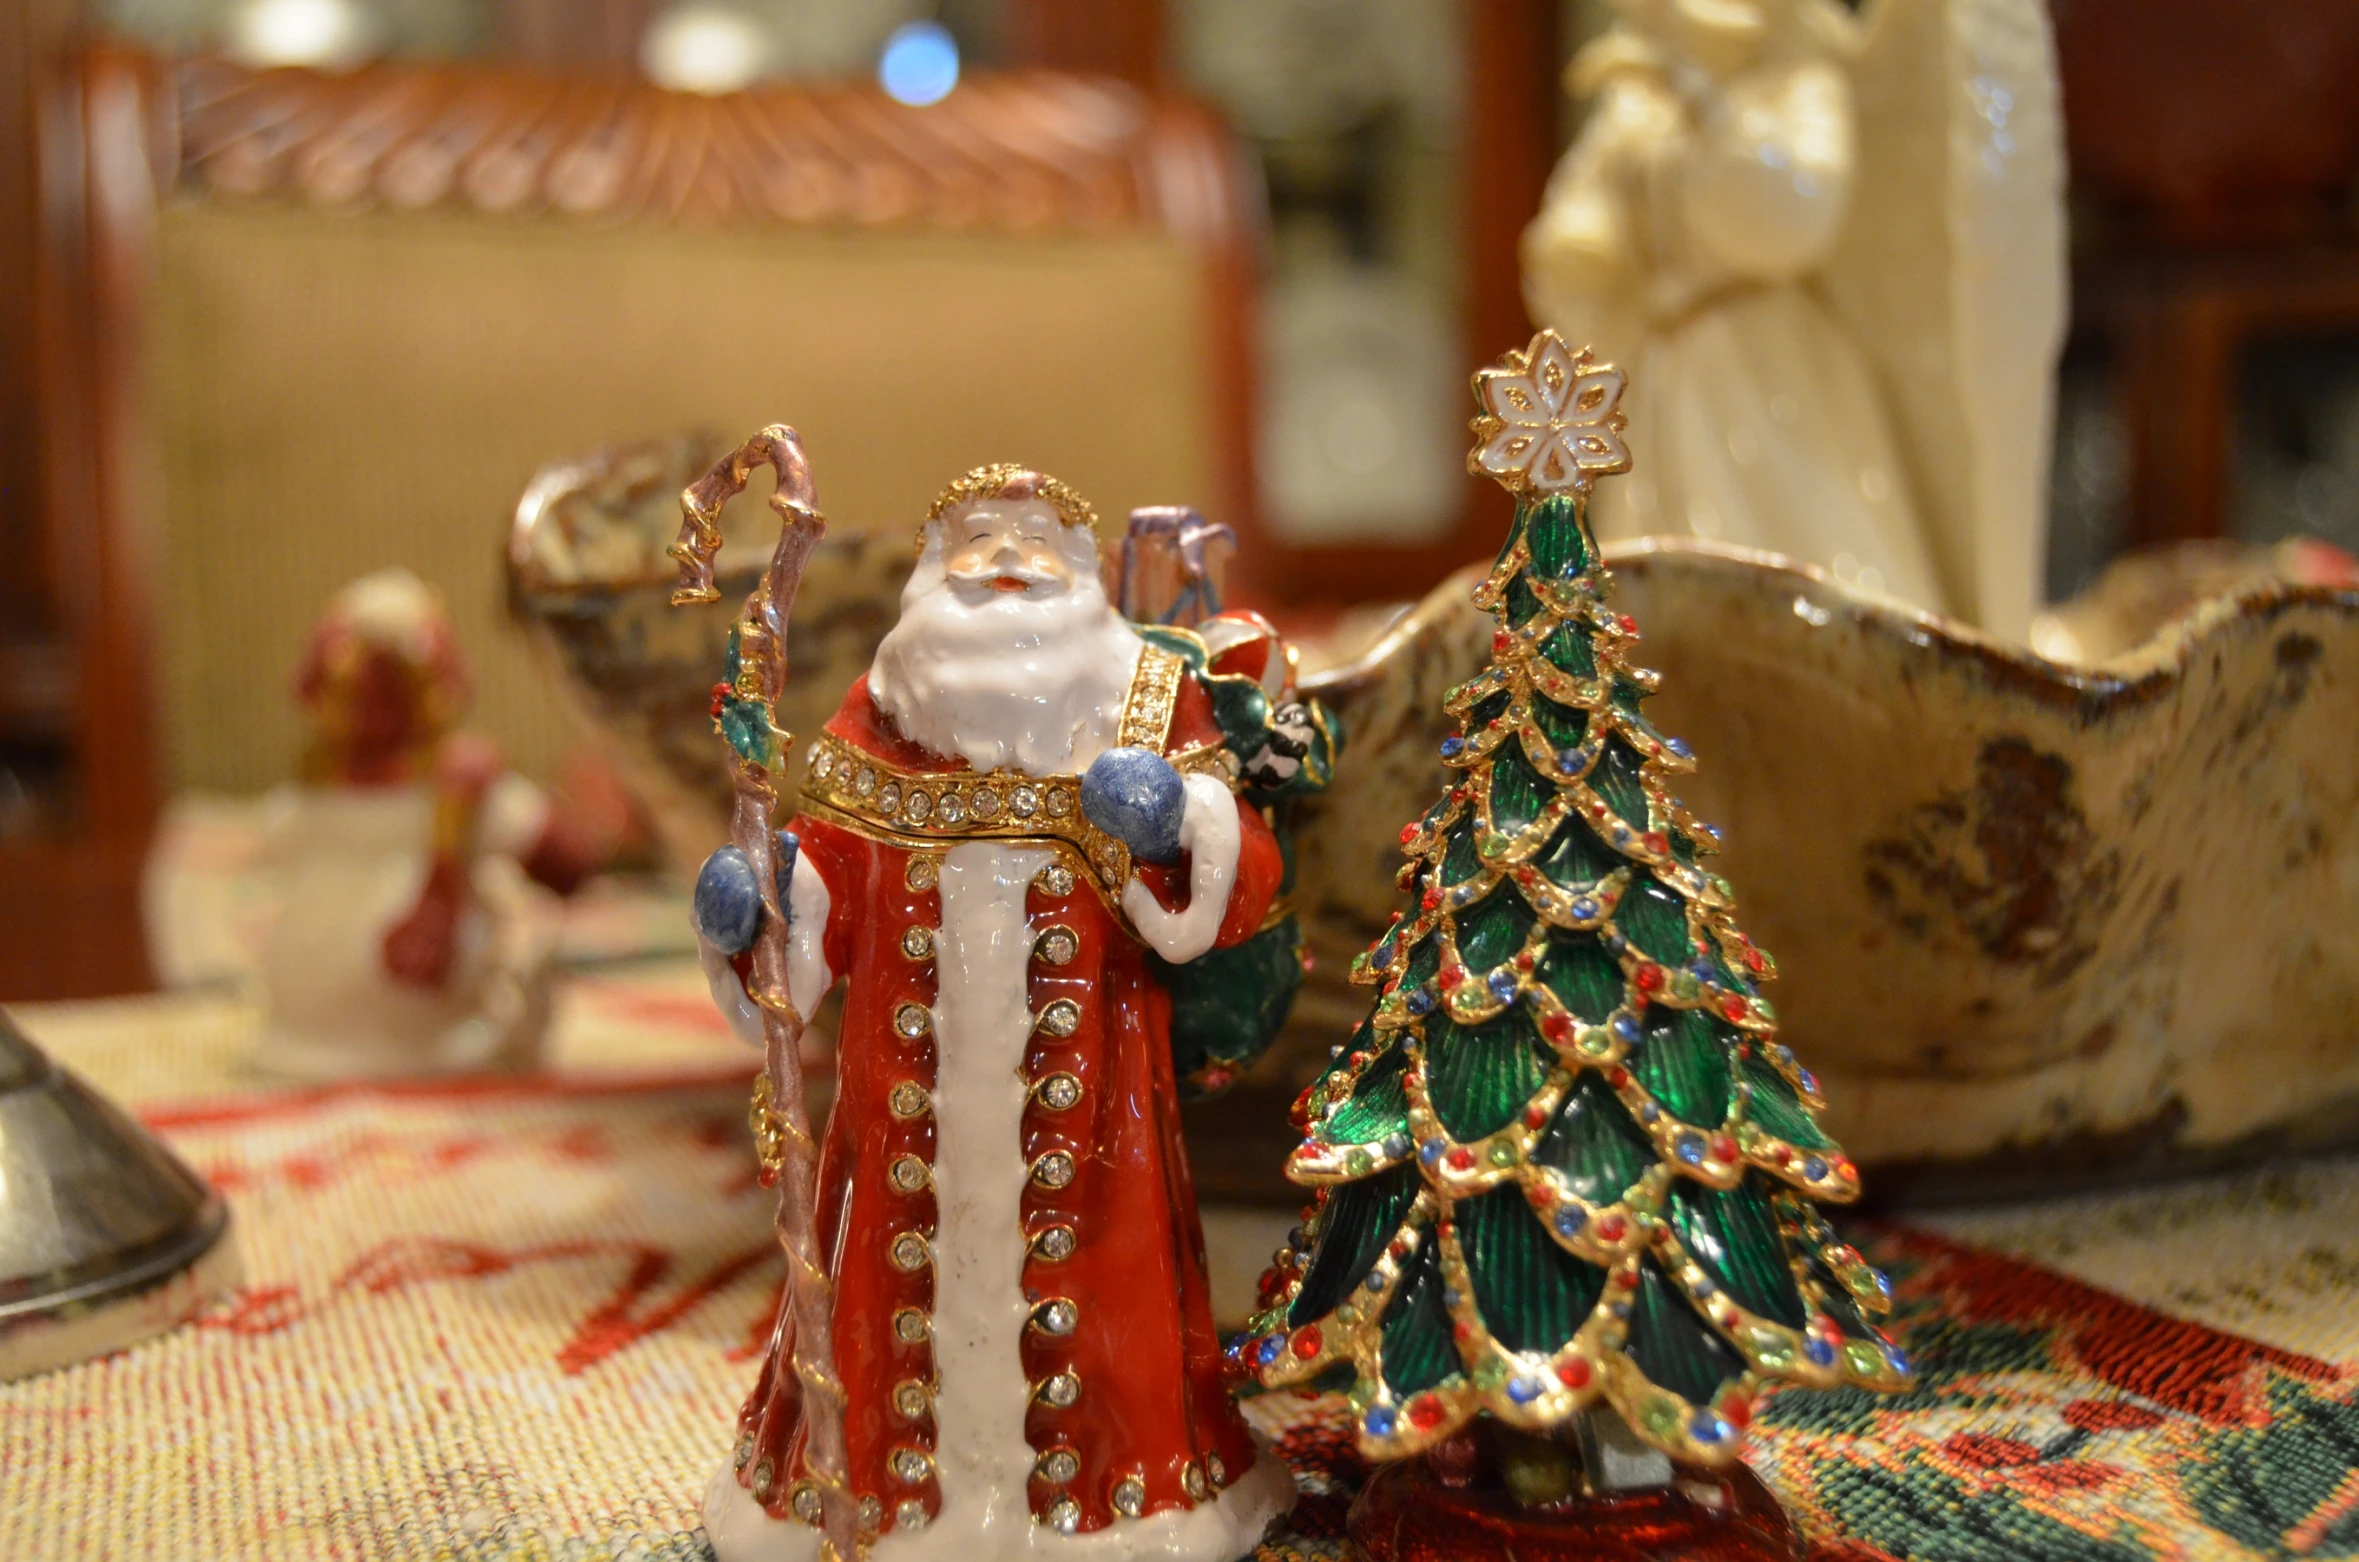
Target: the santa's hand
(1136, 797)
(1210, 835)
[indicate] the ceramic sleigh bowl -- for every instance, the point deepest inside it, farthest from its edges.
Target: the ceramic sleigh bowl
(2039, 924)
(591, 584)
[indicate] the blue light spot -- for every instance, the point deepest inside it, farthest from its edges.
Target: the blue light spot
(1503, 986)
(1380, 1420)
(1704, 1286)
(1813, 1169)
(1570, 759)
(1396, 1146)
(1420, 1002)
(1649, 1112)
(1524, 1390)
(1818, 1350)
(1678, 746)
(1431, 1151)
(1374, 1282)
(1690, 1149)
(1707, 1427)
(1899, 1358)
(1451, 746)
(1450, 1300)
(1270, 1349)
(1626, 1027)
(920, 64)
(1584, 910)
(1809, 1080)
(1570, 1221)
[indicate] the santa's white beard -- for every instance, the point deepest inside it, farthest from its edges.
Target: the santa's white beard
(1029, 681)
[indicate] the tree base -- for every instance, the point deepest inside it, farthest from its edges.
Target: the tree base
(1408, 1513)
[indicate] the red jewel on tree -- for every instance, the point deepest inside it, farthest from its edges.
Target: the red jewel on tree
(1535, 1263)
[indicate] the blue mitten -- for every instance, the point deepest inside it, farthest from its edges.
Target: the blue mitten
(727, 909)
(1137, 798)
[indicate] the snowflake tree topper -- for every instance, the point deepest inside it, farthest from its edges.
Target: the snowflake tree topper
(1551, 421)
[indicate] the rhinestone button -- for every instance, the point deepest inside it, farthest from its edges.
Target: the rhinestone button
(1058, 1466)
(986, 803)
(765, 1479)
(1058, 1315)
(920, 873)
(807, 1505)
(1060, 802)
(908, 1173)
(1218, 1471)
(912, 1020)
(1053, 1170)
(872, 1512)
(1192, 1478)
(1061, 1018)
(1023, 802)
(919, 805)
(1130, 1496)
(911, 1326)
(910, 1252)
(909, 1099)
(911, 1465)
(1058, 1091)
(911, 1400)
(952, 809)
(1056, 879)
(1064, 1515)
(745, 1450)
(888, 798)
(1055, 1245)
(864, 782)
(910, 1515)
(1058, 945)
(918, 943)
(822, 762)
(1060, 1391)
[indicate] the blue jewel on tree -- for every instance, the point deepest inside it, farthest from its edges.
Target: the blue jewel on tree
(1137, 798)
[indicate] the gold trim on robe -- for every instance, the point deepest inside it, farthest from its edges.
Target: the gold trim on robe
(922, 809)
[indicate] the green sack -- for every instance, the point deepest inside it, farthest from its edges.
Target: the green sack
(1228, 1006)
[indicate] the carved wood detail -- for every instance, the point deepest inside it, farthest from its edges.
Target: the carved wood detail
(1021, 150)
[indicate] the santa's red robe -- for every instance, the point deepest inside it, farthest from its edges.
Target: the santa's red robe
(1128, 1380)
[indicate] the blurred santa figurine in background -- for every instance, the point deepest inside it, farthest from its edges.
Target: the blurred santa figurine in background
(404, 941)
(1019, 801)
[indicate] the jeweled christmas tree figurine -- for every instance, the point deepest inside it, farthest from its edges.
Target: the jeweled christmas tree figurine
(1568, 1176)
(999, 1341)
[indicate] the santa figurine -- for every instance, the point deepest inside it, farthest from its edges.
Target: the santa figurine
(1020, 800)
(406, 939)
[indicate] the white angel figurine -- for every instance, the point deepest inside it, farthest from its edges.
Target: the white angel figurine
(1829, 249)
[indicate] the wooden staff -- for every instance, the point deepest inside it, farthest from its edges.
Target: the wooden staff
(781, 1117)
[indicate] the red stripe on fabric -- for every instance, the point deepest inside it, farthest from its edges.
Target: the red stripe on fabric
(219, 1111)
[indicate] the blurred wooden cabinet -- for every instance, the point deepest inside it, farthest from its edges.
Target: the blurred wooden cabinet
(299, 326)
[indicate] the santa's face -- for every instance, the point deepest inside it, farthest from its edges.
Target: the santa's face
(1013, 547)
(1007, 652)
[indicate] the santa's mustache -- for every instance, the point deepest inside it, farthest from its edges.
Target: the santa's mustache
(988, 577)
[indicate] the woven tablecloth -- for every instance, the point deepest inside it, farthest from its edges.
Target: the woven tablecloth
(514, 1318)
